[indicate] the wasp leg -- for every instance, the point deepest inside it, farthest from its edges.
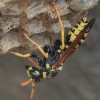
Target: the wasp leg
(26, 83)
(20, 55)
(26, 56)
(61, 24)
(38, 46)
(32, 92)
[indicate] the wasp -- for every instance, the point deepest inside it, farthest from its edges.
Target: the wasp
(55, 56)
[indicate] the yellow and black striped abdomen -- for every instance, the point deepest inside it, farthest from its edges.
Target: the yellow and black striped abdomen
(72, 34)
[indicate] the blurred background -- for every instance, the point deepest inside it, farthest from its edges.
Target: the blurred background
(79, 80)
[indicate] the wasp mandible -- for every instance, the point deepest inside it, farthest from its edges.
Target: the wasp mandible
(55, 56)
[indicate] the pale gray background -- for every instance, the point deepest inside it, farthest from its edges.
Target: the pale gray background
(79, 80)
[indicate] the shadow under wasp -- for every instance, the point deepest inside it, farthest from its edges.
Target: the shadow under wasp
(56, 55)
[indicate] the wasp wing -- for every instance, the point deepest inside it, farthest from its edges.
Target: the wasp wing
(68, 52)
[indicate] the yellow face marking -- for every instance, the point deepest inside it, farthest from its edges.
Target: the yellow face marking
(47, 65)
(44, 75)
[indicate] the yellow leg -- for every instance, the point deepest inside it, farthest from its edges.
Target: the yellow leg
(19, 54)
(61, 24)
(41, 50)
(26, 56)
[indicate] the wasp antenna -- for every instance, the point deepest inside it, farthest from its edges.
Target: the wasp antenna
(26, 83)
(32, 94)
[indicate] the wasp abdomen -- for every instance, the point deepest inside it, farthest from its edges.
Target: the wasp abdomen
(72, 34)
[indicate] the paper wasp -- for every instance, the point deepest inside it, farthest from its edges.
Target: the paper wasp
(55, 56)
